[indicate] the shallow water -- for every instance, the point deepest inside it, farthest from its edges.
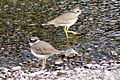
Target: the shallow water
(19, 20)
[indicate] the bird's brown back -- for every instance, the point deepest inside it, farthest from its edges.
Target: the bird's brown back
(44, 48)
(64, 19)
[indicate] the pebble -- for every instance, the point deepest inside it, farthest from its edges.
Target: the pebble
(101, 73)
(17, 68)
(70, 51)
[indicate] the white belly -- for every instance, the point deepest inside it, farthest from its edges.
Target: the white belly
(39, 56)
(67, 24)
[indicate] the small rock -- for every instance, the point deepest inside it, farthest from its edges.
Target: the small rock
(17, 68)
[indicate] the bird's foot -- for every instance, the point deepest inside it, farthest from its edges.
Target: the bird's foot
(75, 33)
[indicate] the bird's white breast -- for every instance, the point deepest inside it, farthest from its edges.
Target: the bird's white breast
(38, 55)
(72, 22)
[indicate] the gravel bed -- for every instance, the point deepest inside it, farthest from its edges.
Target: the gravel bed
(87, 72)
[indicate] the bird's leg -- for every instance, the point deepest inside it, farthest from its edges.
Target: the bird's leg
(43, 63)
(66, 30)
(75, 33)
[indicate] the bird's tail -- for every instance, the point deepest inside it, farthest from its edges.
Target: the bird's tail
(60, 52)
(48, 23)
(45, 24)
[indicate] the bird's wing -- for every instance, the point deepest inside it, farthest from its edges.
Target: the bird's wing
(64, 19)
(45, 48)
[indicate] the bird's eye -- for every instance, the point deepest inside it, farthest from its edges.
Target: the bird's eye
(77, 11)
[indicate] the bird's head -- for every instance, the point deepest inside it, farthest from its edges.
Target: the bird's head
(33, 40)
(76, 11)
